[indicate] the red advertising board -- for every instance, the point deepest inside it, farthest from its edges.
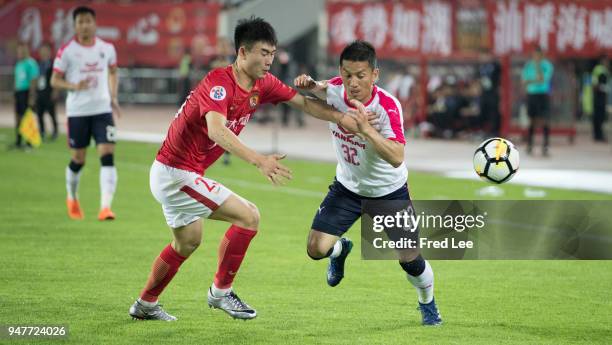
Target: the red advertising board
(396, 29)
(144, 33)
(401, 29)
(561, 28)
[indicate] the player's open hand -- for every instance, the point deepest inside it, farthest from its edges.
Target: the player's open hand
(361, 116)
(374, 120)
(273, 170)
(305, 82)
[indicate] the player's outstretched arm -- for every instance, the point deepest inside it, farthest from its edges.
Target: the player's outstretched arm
(391, 151)
(323, 111)
(268, 165)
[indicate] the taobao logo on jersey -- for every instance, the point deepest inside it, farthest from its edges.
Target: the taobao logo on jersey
(217, 93)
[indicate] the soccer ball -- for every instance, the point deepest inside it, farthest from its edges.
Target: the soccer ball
(496, 160)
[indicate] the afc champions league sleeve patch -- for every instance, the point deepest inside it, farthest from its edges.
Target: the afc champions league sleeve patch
(218, 93)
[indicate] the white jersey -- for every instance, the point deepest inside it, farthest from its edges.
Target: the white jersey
(360, 168)
(78, 62)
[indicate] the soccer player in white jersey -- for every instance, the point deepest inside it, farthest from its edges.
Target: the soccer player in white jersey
(86, 66)
(370, 167)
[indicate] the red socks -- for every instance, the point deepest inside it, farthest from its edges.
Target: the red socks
(232, 250)
(164, 268)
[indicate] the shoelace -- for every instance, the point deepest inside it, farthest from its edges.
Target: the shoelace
(236, 302)
(428, 311)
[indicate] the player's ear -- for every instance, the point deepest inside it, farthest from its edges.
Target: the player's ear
(375, 74)
(242, 52)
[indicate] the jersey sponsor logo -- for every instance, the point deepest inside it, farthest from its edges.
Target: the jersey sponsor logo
(217, 93)
(349, 139)
(238, 123)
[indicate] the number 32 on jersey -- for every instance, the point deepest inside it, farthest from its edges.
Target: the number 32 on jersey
(350, 154)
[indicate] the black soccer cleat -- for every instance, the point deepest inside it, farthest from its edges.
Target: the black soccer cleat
(335, 270)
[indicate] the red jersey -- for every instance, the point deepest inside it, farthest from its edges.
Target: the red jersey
(187, 145)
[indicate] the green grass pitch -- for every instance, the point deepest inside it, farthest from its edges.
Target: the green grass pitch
(86, 274)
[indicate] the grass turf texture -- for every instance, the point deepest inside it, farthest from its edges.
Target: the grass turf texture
(86, 274)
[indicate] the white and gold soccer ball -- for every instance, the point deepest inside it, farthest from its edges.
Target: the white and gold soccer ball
(496, 160)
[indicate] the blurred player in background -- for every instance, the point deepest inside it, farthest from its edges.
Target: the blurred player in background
(45, 95)
(601, 90)
(370, 167)
(26, 76)
(86, 66)
(537, 74)
(206, 126)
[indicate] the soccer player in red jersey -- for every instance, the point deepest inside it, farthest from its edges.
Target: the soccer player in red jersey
(207, 125)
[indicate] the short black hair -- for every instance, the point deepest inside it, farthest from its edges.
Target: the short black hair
(359, 51)
(82, 10)
(252, 30)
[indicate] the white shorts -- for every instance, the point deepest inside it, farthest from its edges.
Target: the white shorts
(184, 195)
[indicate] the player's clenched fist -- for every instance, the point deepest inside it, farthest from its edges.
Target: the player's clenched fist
(273, 170)
(306, 82)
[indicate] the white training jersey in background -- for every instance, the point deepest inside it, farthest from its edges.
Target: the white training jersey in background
(78, 62)
(360, 168)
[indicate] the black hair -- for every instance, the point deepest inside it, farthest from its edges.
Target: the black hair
(83, 10)
(359, 51)
(252, 30)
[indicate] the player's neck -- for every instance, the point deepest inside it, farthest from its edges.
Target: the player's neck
(85, 41)
(242, 78)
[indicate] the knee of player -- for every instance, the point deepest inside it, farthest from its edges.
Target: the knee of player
(187, 247)
(315, 251)
(252, 217)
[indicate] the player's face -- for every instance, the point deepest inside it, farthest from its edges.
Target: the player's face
(22, 51)
(85, 25)
(358, 78)
(44, 52)
(258, 59)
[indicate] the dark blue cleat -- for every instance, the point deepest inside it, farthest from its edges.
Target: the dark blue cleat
(335, 270)
(430, 313)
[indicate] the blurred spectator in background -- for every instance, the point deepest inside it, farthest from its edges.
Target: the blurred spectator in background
(402, 85)
(184, 82)
(45, 95)
(536, 77)
(469, 108)
(286, 76)
(443, 109)
(26, 76)
(601, 90)
(490, 74)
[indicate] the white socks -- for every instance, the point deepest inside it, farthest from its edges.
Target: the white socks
(108, 184)
(72, 183)
(337, 249)
(146, 303)
(424, 284)
(216, 292)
